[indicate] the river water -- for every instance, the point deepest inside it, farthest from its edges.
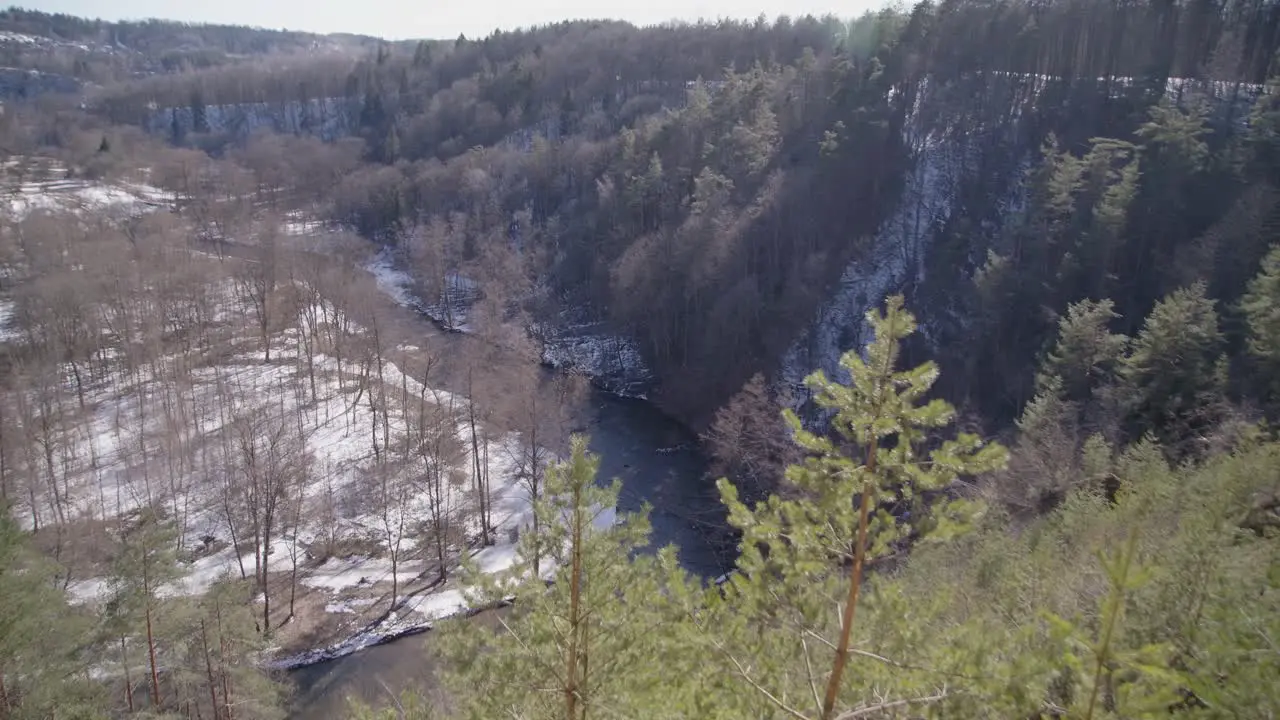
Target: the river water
(657, 461)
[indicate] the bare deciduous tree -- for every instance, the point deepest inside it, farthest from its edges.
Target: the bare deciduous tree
(257, 280)
(269, 462)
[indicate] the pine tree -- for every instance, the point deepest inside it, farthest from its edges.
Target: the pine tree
(1083, 367)
(1087, 354)
(591, 643)
(391, 147)
(1261, 307)
(41, 673)
(1057, 181)
(218, 650)
(1115, 682)
(143, 563)
(1177, 135)
(1175, 372)
(850, 509)
(422, 54)
(1262, 139)
(1113, 183)
(199, 113)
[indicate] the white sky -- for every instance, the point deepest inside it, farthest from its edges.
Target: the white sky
(402, 19)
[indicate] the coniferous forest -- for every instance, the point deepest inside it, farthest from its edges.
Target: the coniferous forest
(963, 321)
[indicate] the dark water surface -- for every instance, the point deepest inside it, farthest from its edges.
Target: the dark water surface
(658, 463)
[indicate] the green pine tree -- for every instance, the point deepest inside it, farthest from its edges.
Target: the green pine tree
(857, 497)
(1086, 356)
(42, 673)
(143, 563)
(218, 650)
(1113, 184)
(1177, 135)
(1044, 463)
(592, 643)
(1175, 372)
(1261, 307)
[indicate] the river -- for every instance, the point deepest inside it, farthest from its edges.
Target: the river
(657, 461)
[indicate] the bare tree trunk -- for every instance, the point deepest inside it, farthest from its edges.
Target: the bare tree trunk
(293, 553)
(235, 542)
(35, 508)
(151, 651)
(4, 461)
(484, 475)
(293, 586)
(266, 591)
(442, 530)
(75, 370)
(128, 681)
(373, 427)
(481, 490)
(208, 667)
(222, 663)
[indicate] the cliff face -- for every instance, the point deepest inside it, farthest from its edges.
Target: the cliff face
(894, 261)
(326, 118)
(953, 156)
(20, 84)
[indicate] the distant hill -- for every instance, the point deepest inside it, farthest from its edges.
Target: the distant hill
(98, 51)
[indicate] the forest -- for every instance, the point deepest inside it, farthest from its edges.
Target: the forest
(972, 308)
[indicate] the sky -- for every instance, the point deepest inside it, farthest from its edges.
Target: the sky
(404, 19)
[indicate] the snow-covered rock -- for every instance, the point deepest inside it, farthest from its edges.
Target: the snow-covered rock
(613, 362)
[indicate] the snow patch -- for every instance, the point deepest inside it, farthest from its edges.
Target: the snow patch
(449, 311)
(353, 606)
(73, 195)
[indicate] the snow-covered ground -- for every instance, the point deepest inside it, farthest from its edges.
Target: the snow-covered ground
(337, 433)
(31, 183)
(40, 41)
(172, 433)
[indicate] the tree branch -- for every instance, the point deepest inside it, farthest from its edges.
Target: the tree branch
(808, 667)
(532, 655)
(880, 707)
(772, 698)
